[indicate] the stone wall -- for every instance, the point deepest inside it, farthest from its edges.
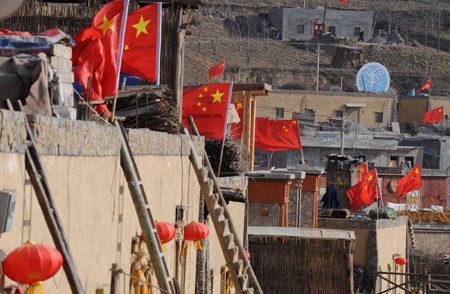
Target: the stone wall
(306, 209)
(257, 219)
(294, 210)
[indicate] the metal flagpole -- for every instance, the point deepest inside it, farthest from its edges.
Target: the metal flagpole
(299, 138)
(225, 128)
(378, 187)
(120, 52)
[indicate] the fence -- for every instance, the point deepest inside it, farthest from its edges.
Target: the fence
(409, 282)
(307, 266)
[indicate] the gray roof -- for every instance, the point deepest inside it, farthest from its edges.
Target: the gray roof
(300, 233)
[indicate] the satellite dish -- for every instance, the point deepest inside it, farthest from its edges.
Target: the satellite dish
(10, 7)
(336, 89)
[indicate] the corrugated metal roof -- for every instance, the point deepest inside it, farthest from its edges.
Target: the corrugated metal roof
(300, 233)
(355, 105)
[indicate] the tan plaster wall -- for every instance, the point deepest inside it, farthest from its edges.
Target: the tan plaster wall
(237, 211)
(87, 193)
(413, 108)
(362, 236)
(326, 106)
(391, 241)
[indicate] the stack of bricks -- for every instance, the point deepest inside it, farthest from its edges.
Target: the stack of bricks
(60, 58)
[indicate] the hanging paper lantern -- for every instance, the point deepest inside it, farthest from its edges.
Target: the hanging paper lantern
(246, 253)
(195, 232)
(401, 261)
(32, 264)
(166, 232)
(344, 1)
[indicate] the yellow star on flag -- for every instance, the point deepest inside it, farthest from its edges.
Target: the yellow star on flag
(417, 170)
(200, 96)
(217, 96)
(205, 89)
(370, 178)
(361, 169)
(141, 26)
(440, 110)
(284, 127)
(287, 130)
(239, 105)
(106, 25)
(293, 122)
(126, 47)
(199, 104)
(204, 109)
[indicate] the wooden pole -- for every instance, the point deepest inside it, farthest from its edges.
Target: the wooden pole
(177, 52)
(114, 107)
(221, 157)
(88, 97)
(349, 266)
(115, 276)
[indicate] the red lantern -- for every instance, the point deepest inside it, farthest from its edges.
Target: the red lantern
(401, 261)
(166, 231)
(246, 253)
(32, 264)
(195, 232)
(344, 1)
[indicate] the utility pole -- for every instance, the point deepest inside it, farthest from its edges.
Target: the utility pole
(318, 66)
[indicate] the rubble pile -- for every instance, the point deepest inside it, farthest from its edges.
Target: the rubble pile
(427, 216)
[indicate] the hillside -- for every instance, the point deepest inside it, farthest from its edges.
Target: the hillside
(292, 65)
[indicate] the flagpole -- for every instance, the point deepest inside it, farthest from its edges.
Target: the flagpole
(225, 127)
(378, 187)
(120, 51)
(299, 139)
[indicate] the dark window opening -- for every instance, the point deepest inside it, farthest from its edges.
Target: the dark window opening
(339, 113)
(356, 31)
(301, 29)
(280, 112)
(393, 162)
(310, 111)
(332, 30)
(379, 117)
(410, 160)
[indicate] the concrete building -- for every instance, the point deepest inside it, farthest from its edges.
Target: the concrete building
(305, 24)
(413, 108)
(378, 243)
(368, 110)
(381, 153)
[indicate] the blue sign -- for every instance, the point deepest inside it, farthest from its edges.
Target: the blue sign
(373, 77)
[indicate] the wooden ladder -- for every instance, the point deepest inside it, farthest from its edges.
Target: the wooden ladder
(240, 270)
(41, 188)
(144, 214)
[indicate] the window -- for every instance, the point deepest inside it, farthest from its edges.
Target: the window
(280, 112)
(379, 117)
(332, 30)
(310, 111)
(446, 116)
(410, 160)
(339, 113)
(393, 162)
(356, 31)
(301, 29)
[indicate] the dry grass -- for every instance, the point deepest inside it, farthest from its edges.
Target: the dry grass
(427, 216)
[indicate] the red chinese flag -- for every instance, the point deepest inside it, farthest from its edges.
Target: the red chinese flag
(106, 29)
(410, 182)
(142, 45)
(238, 128)
(87, 33)
(208, 105)
(277, 135)
(216, 70)
(365, 192)
(434, 115)
(427, 86)
(362, 171)
(107, 23)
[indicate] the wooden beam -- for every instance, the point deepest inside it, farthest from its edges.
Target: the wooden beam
(177, 59)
